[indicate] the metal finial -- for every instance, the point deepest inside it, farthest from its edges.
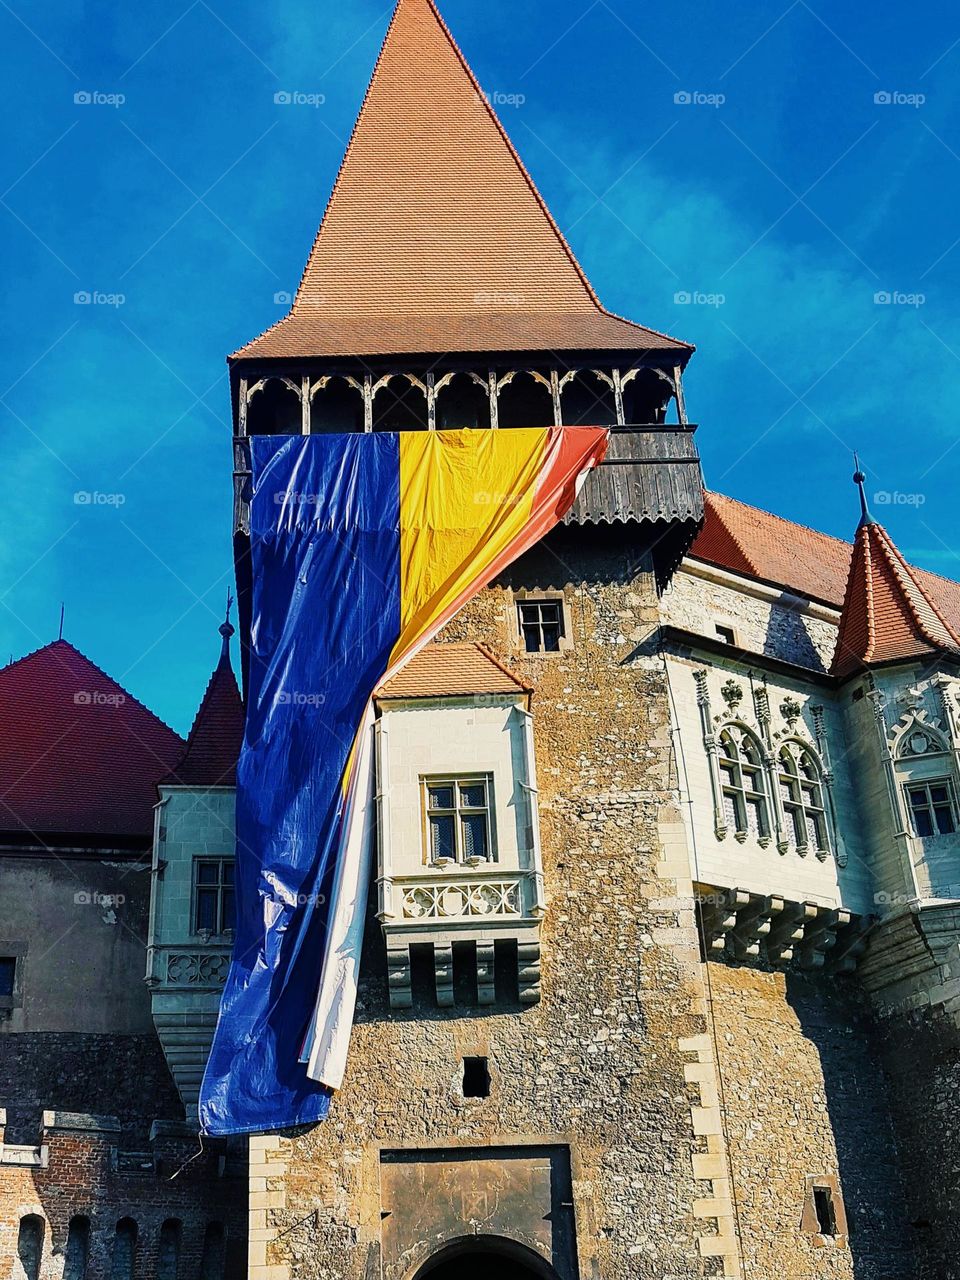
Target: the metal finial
(226, 630)
(60, 636)
(860, 479)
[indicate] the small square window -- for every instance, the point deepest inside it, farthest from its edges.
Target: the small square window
(825, 1211)
(932, 809)
(541, 625)
(726, 634)
(476, 1078)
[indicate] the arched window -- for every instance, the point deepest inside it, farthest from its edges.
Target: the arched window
(78, 1249)
(274, 410)
(335, 405)
(801, 789)
(646, 396)
(30, 1246)
(211, 1263)
(586, 400)
(741, 776)
(399, 405)
(168, 1258)
(124, 1250)
(462, 402)
(525, 402)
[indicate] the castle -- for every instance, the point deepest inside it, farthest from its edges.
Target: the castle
(661, 973)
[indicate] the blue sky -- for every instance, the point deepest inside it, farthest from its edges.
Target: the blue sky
(814, 165)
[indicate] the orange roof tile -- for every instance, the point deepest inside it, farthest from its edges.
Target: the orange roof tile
(453, 670)
(886, 615)
(435, 238)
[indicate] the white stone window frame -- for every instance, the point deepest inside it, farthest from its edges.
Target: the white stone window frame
(456, 781)
(211, 858)
(526, 597)
(921, 780)
(744, 797)
(797, 809)
(15, 951)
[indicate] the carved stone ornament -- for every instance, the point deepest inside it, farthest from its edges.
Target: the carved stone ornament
(732, 693)
(791, 711)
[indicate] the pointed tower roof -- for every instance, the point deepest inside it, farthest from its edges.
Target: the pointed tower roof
(435, 237)
(887, 614)
(213, 746)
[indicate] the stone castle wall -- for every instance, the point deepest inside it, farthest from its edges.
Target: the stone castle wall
(596, 1066)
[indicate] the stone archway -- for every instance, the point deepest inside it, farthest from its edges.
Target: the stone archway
(480, 1258)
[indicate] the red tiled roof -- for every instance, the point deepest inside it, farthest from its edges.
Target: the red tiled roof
(453, 670)
(213, 746)
(435, 238)
(78, 754)
(886, 613)
(752, 542)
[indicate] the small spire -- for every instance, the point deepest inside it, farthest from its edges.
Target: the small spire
(60, 636)
(860, 479)
(226, 630)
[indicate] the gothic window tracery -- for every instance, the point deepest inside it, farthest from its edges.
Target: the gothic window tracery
(801, 792)
(741, 774)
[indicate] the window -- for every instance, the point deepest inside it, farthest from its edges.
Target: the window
(458, 819)
(124, 1250)
(78, 1249)
(802, 793)
(476, 1078)
(741, 776)
(932, 810)
(8, 975)
(168, 1261)
(30, 1245)
(214, 905)
(726, 634)
(826, 1214)
(541, 625)
(211, 1263)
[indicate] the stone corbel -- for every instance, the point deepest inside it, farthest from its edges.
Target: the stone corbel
(718, 916)
(787, 934)
(754, 923)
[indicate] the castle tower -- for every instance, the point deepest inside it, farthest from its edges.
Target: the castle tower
(530, 1083)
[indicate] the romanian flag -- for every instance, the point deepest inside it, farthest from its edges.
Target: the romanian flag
(362, 547)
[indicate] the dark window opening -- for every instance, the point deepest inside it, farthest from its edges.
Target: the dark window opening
(646, 398)
(400, 406)
(8, 975)
(525, 402)
(932, 809)
(476, 1078)
(168, 1262)
(211, 1264)
(124, 1250)
(462, 404)
(30, 1245)
(336, 407)
(726, 634)
(541, 625)
(214, 903)
(588, 401)
(274, 410)
(78, 1249)
(858, 694)
(825, 1211)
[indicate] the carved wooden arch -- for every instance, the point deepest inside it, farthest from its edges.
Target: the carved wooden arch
(628, 375)
(321, 384)
(388, 378)
(272, 377)
(447, 378)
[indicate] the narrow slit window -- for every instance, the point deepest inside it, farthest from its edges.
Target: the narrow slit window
(30, 1245)
(78, 1249)
(826, 1212)
(8, 977)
